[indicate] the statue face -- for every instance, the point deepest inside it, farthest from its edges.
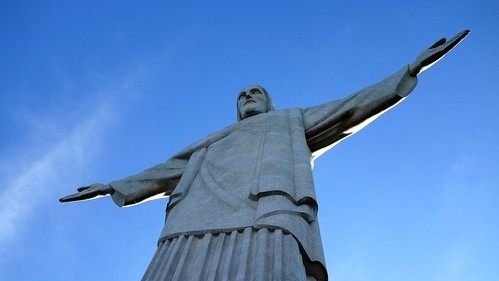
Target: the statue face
(251, 102)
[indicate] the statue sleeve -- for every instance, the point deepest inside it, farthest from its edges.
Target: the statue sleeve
(153, 183)
(160, 181)
(329, 123)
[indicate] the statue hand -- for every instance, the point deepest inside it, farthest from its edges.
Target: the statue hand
(433, 54)
(89, 192)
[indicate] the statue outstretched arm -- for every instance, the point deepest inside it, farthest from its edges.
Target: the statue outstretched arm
(329, 123)
(155, 182)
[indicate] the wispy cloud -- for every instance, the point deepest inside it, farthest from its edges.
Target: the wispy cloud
(30, 178)
(25, 189)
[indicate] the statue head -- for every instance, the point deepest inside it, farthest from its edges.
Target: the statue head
(253, 100)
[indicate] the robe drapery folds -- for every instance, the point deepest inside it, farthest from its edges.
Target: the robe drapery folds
(257, 173)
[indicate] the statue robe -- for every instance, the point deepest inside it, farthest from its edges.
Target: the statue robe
(252, 182)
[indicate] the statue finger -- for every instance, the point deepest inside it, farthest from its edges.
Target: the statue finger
(72, 197)
(83, 188)
(95, 186)
(456, 40)
(460, 36)
(84, 193)
(438, 43)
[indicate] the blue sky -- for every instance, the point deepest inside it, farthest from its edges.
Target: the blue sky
(93, 91)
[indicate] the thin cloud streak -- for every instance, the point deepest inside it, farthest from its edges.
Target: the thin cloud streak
(59, 149)
(35, 182)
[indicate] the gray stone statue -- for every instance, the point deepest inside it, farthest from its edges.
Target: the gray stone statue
(242, 203)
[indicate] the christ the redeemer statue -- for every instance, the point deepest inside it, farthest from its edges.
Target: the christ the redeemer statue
(242, 202)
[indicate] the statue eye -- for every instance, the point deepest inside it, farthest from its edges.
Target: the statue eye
(242, 95)
(256, 91)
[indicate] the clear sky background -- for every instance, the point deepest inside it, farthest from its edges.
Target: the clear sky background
(93, 91)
